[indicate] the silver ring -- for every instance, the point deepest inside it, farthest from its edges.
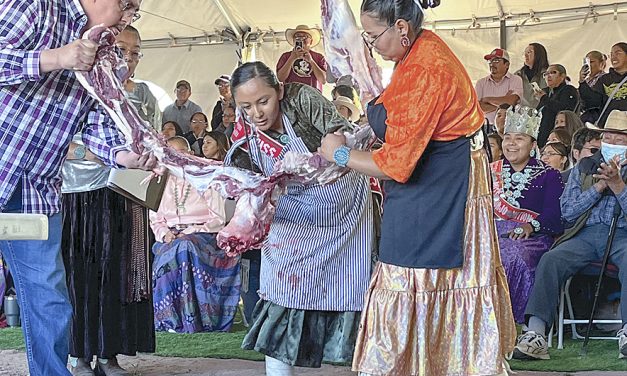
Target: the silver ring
(519, 231)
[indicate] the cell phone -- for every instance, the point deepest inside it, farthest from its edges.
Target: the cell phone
(535, 86)
(298, 44)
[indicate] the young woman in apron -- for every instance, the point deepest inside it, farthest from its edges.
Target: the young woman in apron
(315, 264)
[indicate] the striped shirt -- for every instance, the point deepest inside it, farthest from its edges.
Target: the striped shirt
(318, 252)
(39, 113)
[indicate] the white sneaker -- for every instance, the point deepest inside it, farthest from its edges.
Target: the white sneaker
(531, 346)
(622, 343)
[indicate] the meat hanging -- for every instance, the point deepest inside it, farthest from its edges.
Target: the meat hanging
(345, 51)
(256, 195)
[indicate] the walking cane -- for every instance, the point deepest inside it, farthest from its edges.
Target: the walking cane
(606, 256)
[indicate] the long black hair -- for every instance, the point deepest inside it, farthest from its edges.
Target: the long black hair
(252, 70)
(540, 60)
(389, 11)
(222, 141)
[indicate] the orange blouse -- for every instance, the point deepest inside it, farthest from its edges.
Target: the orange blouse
(430, 97)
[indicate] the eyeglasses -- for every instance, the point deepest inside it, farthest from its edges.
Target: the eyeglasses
(129, 8)
(550, 154)
(181, 89)
(496, 60)
(134, 55)
(199, 122)
(369, 42)
(551, 72)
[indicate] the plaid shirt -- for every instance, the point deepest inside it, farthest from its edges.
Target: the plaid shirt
(39, 114)
(575, 202)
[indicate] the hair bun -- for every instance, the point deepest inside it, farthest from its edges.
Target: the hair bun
(426, 4)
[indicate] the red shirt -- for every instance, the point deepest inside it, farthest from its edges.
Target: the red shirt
(302, 71)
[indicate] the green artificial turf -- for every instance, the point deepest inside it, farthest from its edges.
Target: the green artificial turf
(602, 355)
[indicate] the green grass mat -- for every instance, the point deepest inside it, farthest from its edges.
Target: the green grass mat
(602, 355)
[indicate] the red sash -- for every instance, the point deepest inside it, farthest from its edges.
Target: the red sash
(267, 144)
(504, 209)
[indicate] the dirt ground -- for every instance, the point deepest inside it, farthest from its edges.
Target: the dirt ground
(13, 363)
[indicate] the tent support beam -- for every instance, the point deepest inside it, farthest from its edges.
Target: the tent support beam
(503, 34)
(229, 18)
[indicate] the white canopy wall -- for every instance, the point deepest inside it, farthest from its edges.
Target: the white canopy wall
(199, 55)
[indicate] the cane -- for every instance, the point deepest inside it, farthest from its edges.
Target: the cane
(606, 256)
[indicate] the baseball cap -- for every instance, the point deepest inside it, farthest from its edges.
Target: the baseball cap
(183, 83)
(223, 79)
(497, 53)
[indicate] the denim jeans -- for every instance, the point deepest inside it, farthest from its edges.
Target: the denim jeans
(45, 310)
(565, 260)
(250, 298)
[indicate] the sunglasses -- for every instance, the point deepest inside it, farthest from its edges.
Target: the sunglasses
(593, 150)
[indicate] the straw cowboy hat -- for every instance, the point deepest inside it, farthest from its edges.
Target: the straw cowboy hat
(315, 34)
(348, 103)
(616, 122)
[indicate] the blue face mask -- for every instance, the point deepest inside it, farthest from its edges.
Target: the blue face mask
(609, 151)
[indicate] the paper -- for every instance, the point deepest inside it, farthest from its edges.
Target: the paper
(23, 227)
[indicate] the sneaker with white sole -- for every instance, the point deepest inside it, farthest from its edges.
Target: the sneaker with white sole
(531, 346)
(622, 343)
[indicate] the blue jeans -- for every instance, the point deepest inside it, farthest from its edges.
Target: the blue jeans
(45, 309)
(565, 260)
(250, 298)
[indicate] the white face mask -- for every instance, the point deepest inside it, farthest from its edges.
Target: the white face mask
(609, 151)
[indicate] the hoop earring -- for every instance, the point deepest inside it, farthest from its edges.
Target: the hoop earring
(405, 42)
(532, 153)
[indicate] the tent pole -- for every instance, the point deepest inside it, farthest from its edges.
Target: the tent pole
(503, 34)
(229, 18)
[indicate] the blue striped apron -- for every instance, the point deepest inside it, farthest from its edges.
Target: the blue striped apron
(317, 254)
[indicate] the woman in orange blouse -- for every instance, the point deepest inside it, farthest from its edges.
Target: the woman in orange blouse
(439, 286)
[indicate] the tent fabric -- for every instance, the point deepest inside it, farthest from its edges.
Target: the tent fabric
(566, 42)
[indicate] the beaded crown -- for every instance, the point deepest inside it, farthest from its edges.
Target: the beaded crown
(523, 120)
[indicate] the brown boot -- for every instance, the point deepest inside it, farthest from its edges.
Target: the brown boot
(82, 368)
(111, 368)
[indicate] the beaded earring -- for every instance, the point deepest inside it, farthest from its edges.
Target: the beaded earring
(405, 42)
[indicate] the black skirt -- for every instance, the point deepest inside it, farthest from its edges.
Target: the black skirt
(99, 236)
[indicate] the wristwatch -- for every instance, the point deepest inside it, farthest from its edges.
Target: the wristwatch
(80, 151)
(341, 155)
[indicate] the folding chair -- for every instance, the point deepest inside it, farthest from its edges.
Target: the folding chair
(592, 269)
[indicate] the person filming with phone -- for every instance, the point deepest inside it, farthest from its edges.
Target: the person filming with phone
(302, 64)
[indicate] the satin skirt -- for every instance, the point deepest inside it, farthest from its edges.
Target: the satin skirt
(520, 259)
(442, 322)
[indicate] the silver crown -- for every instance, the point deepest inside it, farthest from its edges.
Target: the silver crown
(523, 120)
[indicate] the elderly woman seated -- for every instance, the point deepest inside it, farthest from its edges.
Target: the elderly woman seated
(196, 286)
(526, 205)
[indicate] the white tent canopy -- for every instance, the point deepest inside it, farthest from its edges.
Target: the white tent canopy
(198, 40)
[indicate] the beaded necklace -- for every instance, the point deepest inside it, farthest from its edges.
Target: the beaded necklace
(515, 183)
(180, 204)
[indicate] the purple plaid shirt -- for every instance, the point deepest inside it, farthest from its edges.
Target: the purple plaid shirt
(39, 114)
